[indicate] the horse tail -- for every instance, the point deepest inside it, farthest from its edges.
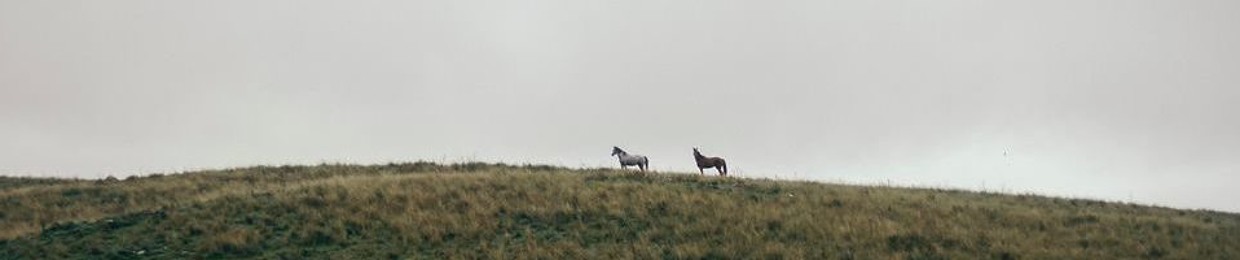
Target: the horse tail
(724, 164)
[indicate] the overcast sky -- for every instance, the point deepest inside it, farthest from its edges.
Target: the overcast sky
(1116, 100)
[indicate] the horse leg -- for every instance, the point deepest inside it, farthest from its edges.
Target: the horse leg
(700, 171)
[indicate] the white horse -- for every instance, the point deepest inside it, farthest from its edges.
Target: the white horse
(626, 159)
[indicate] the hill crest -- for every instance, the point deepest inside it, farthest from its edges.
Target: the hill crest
(474, 210)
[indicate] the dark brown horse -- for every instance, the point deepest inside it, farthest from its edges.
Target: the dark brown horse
(704, 162)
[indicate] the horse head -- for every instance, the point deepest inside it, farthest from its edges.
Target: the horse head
(616, 150)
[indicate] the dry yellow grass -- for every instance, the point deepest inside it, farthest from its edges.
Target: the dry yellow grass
(424, 210)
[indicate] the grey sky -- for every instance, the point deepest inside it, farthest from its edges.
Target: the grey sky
(1117, 100)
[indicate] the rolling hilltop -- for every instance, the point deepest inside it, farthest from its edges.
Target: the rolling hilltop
(478, 210)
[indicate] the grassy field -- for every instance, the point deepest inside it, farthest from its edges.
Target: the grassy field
(478, 210)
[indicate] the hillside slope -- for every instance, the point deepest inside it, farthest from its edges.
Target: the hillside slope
(477, 210)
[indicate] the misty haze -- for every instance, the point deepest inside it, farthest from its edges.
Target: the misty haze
(1131, 101)
(1016, 123)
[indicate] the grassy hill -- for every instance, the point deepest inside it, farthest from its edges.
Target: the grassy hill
(478, 210)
